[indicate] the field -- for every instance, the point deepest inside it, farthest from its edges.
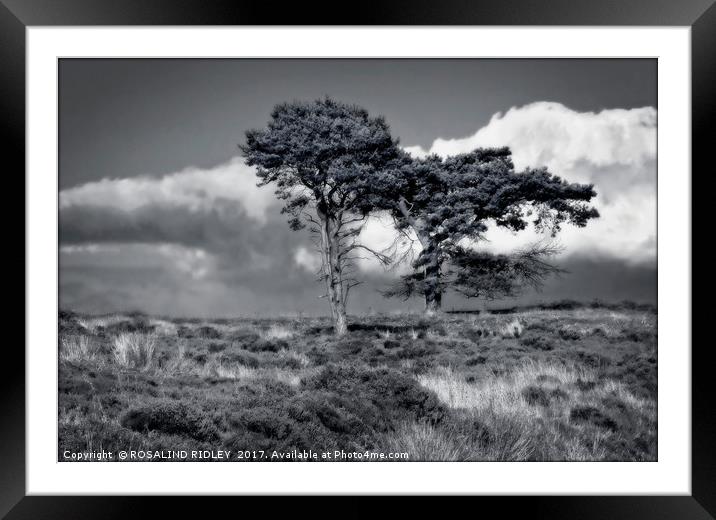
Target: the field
(552, 383)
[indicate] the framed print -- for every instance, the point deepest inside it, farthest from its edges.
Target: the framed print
(454, 246)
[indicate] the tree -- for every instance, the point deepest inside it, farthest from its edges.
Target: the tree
(447, 204)
(479, 274)
(321, 158)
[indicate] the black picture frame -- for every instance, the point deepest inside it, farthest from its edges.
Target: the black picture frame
(700, 15)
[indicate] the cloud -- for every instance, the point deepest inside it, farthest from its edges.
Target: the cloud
(183, 261)
(193, 261)
(210, 242)
(218, 211)
(73, 249)
(175, 280)
(212, 225)
(193, 189)
(550, 134)
(138, 277)
(306, 259)
(379, 234)
(613, 149)
(218, 230)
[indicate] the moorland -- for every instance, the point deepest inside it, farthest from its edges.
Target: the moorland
(556, 382)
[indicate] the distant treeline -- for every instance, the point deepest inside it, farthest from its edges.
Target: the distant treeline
(564, 305)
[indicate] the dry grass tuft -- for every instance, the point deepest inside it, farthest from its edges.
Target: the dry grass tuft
(423, 442)
(278, 331)
(92, 324)
(243, 373)
(179, 363)
(512, 330)
(299, 358)
(532, 410)
(501, 394)
(134, 350)
(164, 327)
(77, 348)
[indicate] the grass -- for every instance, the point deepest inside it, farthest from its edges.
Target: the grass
(558, 382)
(134, 350)
(76, 349)
(552, 405)
(512, 329)
(427, 443)
(244, 373)
(277, 331)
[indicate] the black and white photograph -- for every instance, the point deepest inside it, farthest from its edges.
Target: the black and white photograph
(357, 260)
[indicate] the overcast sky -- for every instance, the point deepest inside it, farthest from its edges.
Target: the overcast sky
(158, 212)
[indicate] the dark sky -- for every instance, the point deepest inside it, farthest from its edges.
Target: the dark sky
(128, 117)
(144, 245)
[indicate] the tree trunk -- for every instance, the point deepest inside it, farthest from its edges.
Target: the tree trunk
(333, 271)
(433, 303)
(340, 324)
(433, 291)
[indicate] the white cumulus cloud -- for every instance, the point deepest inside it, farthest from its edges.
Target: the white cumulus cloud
(550, 134)
(613, 149)
(194, 189)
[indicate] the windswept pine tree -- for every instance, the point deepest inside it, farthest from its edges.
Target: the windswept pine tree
(447, 205)
(322, 158)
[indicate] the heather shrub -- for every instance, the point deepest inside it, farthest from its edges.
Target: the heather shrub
(207, 332)
(340, 414)
(476, 360)
(242, 338)
(535, 395)
(264, 421)
(267, 345)
(215, 347)
(395, 394)
(242, 358)
(174, 418)
(592, 415)
(537, 343)
(138, 324)
(445, 389)
(350, 345)
(303, 421)
(570, 335)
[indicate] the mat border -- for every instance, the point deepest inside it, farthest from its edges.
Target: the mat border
(700, 15)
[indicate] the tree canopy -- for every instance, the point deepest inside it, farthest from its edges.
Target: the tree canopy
(449, 203)
(322, 158)
(323, 152)
(333, 165)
